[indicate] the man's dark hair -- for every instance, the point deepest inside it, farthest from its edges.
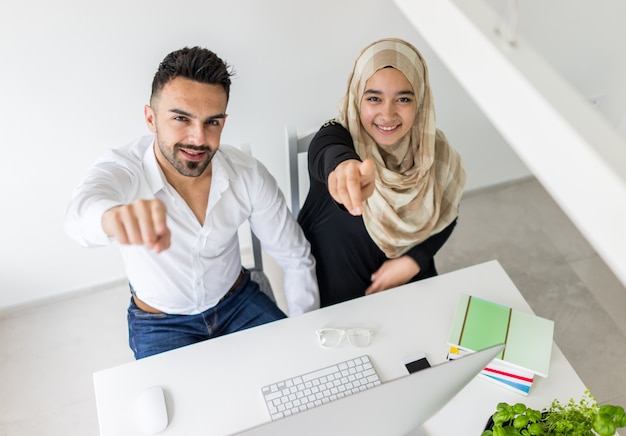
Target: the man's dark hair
(196, 63)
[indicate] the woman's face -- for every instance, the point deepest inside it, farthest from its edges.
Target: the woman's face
(388, 107)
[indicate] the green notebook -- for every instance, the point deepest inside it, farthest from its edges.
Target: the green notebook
(479, 324)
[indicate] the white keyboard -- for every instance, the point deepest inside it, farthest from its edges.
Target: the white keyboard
(315, 388)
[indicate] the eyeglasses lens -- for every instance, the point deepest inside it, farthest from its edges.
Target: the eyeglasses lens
(359, 337)
(330, 338)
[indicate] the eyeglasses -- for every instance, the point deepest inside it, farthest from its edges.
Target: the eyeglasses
(331, 337)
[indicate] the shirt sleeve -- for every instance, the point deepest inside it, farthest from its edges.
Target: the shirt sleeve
(283, 239)
(423, 253)
(104, 186)
(331, 145)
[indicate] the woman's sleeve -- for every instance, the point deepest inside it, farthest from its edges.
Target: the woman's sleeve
(331, 145)
(424, 252)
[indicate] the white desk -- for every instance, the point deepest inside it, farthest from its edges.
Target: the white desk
(214, 387)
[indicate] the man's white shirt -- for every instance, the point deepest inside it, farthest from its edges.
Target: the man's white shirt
(203, 261)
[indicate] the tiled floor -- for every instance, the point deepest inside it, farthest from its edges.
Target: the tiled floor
(48, 354)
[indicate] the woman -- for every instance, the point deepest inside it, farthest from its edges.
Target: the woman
(385, 184)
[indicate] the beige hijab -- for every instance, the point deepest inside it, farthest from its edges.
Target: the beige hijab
(419, 180)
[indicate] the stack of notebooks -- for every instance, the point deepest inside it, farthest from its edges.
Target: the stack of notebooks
(479, 324)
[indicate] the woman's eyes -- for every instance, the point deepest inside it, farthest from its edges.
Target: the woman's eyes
(399, 100)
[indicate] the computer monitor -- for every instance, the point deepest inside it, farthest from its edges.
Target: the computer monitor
(396, 407)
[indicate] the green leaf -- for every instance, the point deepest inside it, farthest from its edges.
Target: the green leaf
(619, 416)
(503, 407)
(534, 415)
(510, 431)
(519, 408)
(604, 425)
(535, 429)
(520, 422)
(499, 431)
(501, 417)
(607, 409)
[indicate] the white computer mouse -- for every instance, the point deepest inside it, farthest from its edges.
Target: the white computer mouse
(151, 410)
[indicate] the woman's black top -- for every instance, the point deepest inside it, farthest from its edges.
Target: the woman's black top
(346, 255)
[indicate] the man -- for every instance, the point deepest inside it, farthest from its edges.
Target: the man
(174, 202)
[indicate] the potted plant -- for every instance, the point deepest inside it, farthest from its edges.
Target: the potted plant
(585, 418)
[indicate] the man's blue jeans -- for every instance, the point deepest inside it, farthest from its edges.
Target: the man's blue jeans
(246, 307)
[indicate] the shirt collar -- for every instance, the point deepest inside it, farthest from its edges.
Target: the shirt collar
(154, 174)
(224, 164)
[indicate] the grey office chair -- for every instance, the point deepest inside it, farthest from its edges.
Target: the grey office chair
(297, 144)
(256, 270)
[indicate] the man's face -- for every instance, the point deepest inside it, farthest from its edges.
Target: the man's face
(187, 119)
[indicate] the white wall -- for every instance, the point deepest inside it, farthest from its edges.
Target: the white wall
(75, 76)
(583, 40)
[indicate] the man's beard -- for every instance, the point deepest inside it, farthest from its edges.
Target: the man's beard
(183, 166)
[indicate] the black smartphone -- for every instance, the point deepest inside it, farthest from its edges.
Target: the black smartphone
(416, 363)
